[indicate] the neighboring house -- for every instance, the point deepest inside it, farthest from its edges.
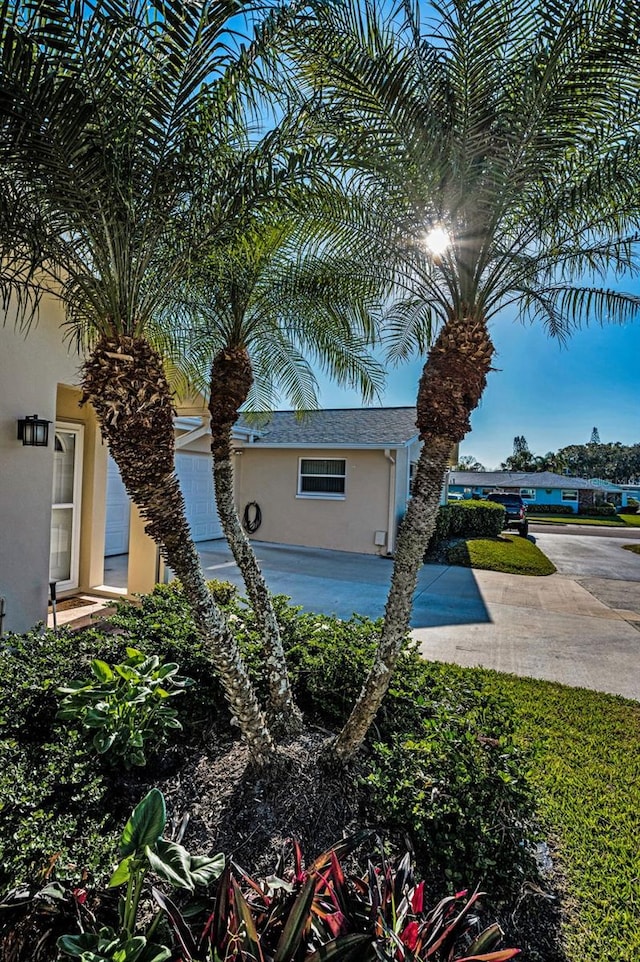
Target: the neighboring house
(617, 494)
(324, 479)
(535, 487)
(331, 479)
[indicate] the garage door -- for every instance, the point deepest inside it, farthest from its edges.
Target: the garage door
(196, 481)
(116, 540)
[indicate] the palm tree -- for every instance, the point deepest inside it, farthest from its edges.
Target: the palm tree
(268, 302)
(497, 142)
(115, 131)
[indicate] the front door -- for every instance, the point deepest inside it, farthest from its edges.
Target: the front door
(65, 509)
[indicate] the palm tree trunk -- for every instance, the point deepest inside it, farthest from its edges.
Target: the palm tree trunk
(125, 383)
(451, 386)
(231, 379)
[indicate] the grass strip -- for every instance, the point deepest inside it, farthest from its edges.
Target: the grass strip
(586, 773)
(632, 547)
(631, 519)
(509, 553)
(620, 521)
(576, 519)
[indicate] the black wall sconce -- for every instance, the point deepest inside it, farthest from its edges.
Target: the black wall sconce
(33, 431)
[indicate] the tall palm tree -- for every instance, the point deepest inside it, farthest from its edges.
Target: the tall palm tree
(100, 113)
(497, 141)
(269, 303)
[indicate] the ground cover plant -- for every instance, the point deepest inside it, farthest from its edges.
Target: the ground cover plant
(125, 706)
(509, 553)
(632, 547)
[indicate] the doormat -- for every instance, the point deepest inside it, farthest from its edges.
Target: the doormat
(67, 603)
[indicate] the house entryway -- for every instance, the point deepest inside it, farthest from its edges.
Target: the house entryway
(196, 481)
(64, 555)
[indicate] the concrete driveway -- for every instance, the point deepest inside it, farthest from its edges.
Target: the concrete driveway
(552, 628)
(592, 555)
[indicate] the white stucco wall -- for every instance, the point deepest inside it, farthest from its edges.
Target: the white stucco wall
(30, 370)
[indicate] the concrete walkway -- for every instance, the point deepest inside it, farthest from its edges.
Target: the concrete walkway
(550, 628)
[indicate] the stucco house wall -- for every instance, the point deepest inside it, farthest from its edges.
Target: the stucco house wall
(349, 523)
(30, 370)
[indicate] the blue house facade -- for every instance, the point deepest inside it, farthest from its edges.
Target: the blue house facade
(542, 488)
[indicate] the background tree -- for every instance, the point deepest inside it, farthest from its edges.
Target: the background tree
(522, 458)
(468, 463)
(496, 143)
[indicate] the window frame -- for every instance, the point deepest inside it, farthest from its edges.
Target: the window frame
(322, 495)
(565, 491)
(530, 496)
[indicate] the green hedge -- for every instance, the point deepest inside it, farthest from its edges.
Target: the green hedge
(468, 519)
(550, 509)
(598, 510)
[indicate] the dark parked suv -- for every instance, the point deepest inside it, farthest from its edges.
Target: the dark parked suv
(516, 510)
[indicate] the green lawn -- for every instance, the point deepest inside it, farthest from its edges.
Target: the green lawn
(632, 547)
(586, 774)
(509, 553)
(632, 519)
(621, 521)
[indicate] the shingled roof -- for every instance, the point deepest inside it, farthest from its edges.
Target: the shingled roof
(518, 479)
(338, 427)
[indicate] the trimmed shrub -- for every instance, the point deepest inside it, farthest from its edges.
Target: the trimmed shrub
(550, 509)
(445, 769)
(468, 519)
(54, 794)
(605, 510)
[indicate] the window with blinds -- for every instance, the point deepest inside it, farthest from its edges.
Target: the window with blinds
(322, 477)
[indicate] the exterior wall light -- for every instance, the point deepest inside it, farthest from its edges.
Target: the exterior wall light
(33, 431)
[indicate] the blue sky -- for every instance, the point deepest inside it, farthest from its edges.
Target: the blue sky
(553, 394)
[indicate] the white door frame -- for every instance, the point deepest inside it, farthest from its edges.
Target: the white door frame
(76, 505)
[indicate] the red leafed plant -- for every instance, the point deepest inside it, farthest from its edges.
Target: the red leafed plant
(320, 913)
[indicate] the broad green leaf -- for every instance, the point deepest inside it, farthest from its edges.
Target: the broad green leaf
(126, 672)
(204, 869)
(170, 668)
(101, 670)
(172, 723)
(171, 862)
(146, 824)
(77, 944)
(103, 741)
(154, 953)
(122, 873)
